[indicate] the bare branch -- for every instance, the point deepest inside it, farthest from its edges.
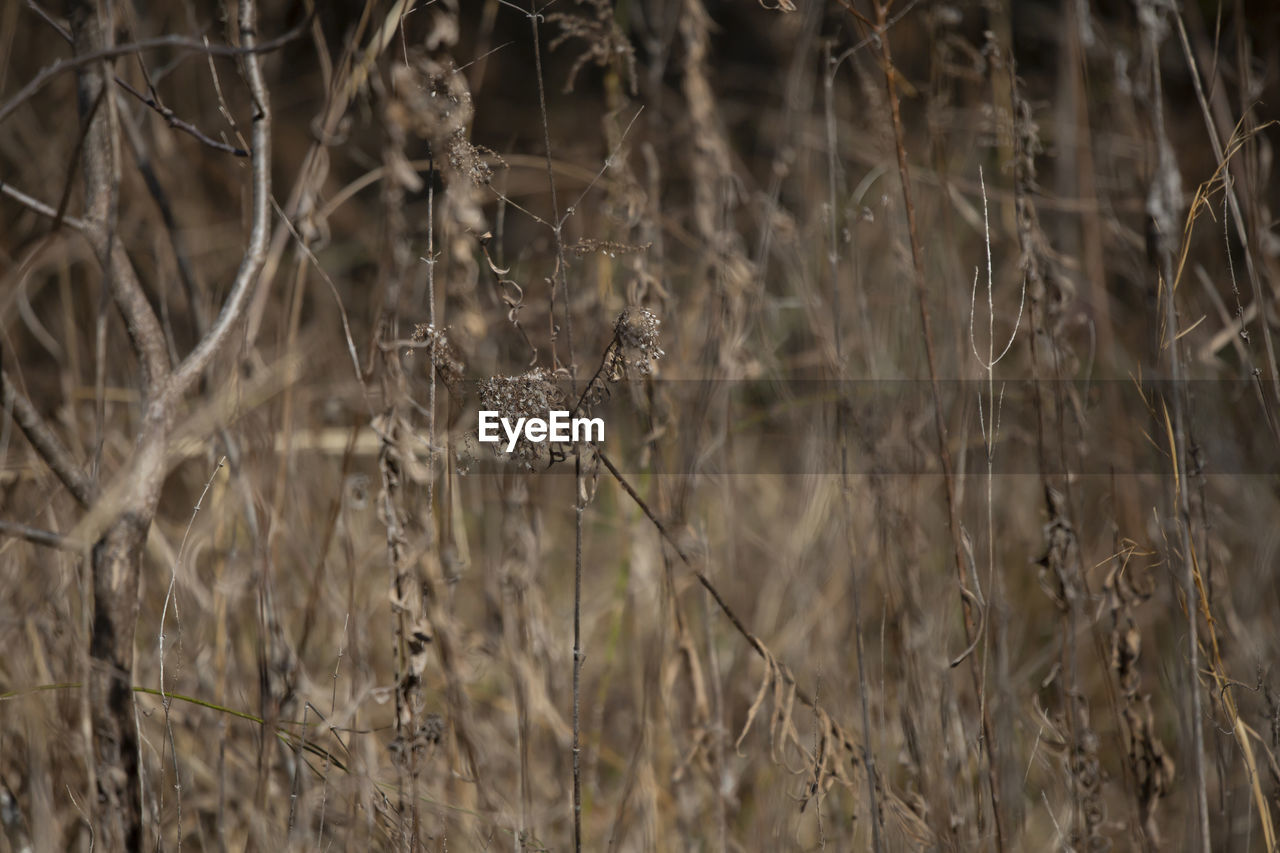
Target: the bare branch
(36, 536)
(101, 162)
(51, 450)
(37, 206)
(256, 253)
(44, 77)
(139, 318)
(151, 101)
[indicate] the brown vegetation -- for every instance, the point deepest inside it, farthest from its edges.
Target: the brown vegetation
(936, 505)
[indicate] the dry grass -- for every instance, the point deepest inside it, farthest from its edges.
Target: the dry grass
(848, 571)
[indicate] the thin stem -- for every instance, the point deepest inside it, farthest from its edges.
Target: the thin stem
(833, 259)
(36, 536)
(431, 318)
(167, 114)
(255, 255)
(1233, 199)
(752, 640)
(577, 666)
(44, 77)
(34, 204)
(42, 438)
(561, 277)
(940, 424)
(1162, 203)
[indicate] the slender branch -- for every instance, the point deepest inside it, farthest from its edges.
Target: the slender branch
(558, 226)
(562, 279)
(100, 160)
(177, 243)
(752, 639)
(577, 658)
(940, 424)
(842, 435)
(1233, 200)
(255, 255)
(921, 290)
(51, 450)
(36, 536)
(139, 318)
(44, 77)
(37, 206)
(1163, 203)
(167, 114)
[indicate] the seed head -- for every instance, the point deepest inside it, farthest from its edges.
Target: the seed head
(636, 331)
(530, 395)
(441, 352)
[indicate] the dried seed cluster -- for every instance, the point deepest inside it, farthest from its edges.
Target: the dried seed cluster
(431, 99)
(530, 395)
(612, 248)
(470, 160)
(441, 352)
(636, 332)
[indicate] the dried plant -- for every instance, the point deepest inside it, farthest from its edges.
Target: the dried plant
(827, 582)
(533, 394)
(605, 44)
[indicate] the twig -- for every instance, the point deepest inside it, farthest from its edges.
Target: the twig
(561, 277)
(608, 161)
(738, 624)
(167, 114)
(1162, 203)
(561, 271)
(34, 204)
(42, 78)
(255, 254)
(342, 310)
(37, 536)
(833, 260)
(940, 424)
(177, 243)
(100, 160)
(51, 450)
(1233, 200)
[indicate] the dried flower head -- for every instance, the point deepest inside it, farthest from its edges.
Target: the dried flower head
(636, 332)
(425, 737)
(530, 395)
(431, 99)
(469, 160)
(444, 358)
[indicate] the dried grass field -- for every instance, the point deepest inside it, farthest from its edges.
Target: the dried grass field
(937, 504)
